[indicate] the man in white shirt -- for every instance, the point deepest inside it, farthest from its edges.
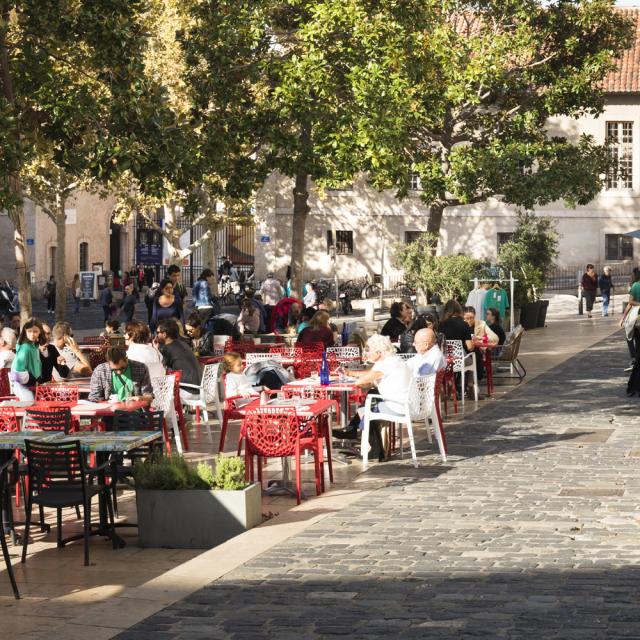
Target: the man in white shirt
(271, 291)
(7, 345)
(429, 358)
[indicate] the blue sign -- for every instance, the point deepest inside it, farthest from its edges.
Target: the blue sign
(265, 239)
(30, 242)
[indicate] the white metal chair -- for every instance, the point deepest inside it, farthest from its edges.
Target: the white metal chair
(163, 400)
(462, 363)
(345, 353)
(418, 406)
(250, 358)
(208, 398)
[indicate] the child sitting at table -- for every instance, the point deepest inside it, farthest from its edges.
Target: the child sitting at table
(236, 383)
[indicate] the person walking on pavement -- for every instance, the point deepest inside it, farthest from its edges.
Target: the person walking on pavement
(106, 299)
(605, 283)
(50, 294)
(75, 292)
(129, 303)
(589, 287)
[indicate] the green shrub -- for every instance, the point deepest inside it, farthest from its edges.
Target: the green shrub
(230, 473)
(173, 473)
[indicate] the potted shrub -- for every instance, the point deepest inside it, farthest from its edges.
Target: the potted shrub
(530, 255)
(183, 507)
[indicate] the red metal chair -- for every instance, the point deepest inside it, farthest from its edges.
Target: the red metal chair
(440, 386)
(8, 420)
(449, 387)
(96, 358)
(241, 348)
(57, 393)
(276, 432)
(5, 385)
(318, 393)
(182, 425)
(287, 352)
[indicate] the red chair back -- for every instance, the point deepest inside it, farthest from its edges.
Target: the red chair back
(8, 420)
(96, 357)
(57, 393)
(49, 419)
(271, 432)
(94, 340)
(5, 387)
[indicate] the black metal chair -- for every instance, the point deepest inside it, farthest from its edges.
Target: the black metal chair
(58, 479)
(51, 419)
(122, 464)
(5, 503)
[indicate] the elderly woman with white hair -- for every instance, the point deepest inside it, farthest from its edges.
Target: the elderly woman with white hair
(392, 377)
(7, 347)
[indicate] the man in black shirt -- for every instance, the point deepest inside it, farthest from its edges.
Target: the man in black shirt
(177, 355)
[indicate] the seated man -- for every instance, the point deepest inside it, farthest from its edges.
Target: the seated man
(429, 358)
(178, 356)
(50, 359)
(201, 340)
(121, 377)
(62, 339)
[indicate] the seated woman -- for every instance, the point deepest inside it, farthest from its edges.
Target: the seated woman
(317, 331)
(454, 327)
(50, 358)
(493, 322)
(249, 318)
(401, 317)
(423, 321)
(26, 367)
(392, 377)
(137, 339)
(305, 318)
(479, 327)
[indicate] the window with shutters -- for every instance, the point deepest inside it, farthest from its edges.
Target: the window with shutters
(84, 256)
(618, 247)
(344, 242)
(619, 141)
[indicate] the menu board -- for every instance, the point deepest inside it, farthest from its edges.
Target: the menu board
(87, 285)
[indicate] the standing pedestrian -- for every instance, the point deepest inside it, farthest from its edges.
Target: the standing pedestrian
(129, 303)
(50, 294)
(75, 292)
(630, 316)
(106, 299)
(605, 283)
(589, 287)
(175, 275)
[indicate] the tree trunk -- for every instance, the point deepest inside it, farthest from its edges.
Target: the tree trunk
(16, 213)
(22, 272)
(211, 252)
(61, 272)
(300, 215)
(435, 222)
(174, 233)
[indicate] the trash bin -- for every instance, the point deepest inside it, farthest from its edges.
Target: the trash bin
(542, 314)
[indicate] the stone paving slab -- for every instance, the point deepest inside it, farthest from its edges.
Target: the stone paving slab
(530, 531)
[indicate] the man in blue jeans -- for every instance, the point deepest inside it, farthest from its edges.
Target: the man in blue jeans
(606, 285)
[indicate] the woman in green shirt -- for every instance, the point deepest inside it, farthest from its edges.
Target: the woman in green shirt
(26, 367)
(633, 336)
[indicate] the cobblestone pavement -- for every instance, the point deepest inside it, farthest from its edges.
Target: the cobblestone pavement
(529, 531)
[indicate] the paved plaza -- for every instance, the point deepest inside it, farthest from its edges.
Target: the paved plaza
(529, 531)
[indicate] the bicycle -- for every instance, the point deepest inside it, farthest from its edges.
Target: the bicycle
(360, 288)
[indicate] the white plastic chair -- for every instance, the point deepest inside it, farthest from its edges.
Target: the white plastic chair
(416, 407)
(250, 358)
(163, 400)
(405, 356)
(208, 398)
(462, 363)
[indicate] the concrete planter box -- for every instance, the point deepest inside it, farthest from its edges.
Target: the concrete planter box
(196, 519)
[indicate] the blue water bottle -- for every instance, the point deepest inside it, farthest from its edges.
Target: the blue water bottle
(324, 370)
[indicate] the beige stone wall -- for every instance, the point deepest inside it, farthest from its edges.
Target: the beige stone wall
(379, 219)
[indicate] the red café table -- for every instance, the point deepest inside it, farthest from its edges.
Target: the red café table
(308, 409)
(336, 386)
(80, 410)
